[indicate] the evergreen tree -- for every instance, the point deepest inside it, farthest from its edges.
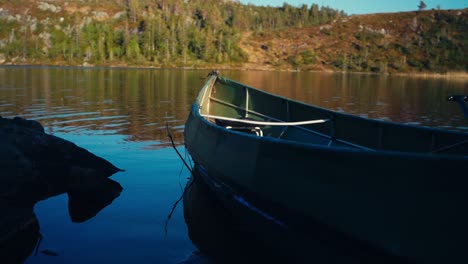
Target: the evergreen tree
(314, 9)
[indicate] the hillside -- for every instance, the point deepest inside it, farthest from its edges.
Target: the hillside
(426, 41)
(178, 33)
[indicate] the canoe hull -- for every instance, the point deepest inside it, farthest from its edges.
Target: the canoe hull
(289, 236)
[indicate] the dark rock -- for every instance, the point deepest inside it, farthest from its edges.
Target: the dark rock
(30, 157)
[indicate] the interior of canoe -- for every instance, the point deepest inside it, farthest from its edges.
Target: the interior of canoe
(238, 107)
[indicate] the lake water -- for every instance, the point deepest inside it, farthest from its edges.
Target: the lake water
(121, 115)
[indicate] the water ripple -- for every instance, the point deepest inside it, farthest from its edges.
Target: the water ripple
(68, 115)
(87, 119)
(117, 124)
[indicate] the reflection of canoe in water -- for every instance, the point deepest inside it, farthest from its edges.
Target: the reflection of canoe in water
(373, 187)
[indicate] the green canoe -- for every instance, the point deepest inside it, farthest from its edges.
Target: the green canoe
(370, 187)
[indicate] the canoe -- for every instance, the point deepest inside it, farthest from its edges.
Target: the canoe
(376, 190)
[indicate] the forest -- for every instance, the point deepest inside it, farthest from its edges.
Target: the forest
(144, 32)
(223, 33)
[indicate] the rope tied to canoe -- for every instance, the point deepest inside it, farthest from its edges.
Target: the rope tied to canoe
(174, 206)
(265, 123)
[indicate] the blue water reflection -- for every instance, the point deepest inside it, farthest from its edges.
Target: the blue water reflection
(131, 229)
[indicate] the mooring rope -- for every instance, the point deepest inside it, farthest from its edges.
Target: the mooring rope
(174, 206)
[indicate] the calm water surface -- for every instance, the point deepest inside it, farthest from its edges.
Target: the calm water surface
(121, 114)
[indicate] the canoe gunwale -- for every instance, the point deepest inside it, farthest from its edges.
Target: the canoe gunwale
(327, 149)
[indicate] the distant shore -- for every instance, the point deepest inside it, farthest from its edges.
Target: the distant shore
(455, 75)
(448, 75)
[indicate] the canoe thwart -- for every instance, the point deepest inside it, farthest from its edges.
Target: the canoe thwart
(265, 123)
(241, 127)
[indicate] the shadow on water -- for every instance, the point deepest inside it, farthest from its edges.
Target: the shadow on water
(83, 206)
(20, 234)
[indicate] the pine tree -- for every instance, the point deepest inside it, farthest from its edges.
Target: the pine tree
(314, 9)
